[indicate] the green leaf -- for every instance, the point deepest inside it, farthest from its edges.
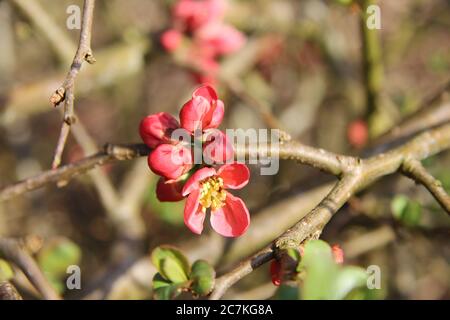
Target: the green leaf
(171, 263)
(324, 278)
(398, 205)
(164, 289)
(6, 271)
(407, 211)
(320, 269)
(172, 270)
(57, 255)
(346, 280)
(286, 292)
(203, 277)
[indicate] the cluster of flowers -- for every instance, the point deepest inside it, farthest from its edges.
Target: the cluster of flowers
(204, 182)
(199, 28)
(276, 271)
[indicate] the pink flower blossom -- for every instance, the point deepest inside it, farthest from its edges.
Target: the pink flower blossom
(206, 189)
(193, 14)
(157, 128)
(170, 161)
(203, 111)
(217, 39)
(171, 39)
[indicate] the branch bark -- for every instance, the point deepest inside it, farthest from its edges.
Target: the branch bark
(415, 170)
(359, 175)
(66, 91)
(13, 251)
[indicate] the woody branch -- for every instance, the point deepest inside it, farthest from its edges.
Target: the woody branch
(66, 91)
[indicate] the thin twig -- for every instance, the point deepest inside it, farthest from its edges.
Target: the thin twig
(415, 170)
(62, 175)
(66, 91)
(13, 251)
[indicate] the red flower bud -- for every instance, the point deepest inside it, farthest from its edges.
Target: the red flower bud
(171, 40)
(357, 133)
(338, 254)
(157, 128)
(275, 272)
(169, 190)
(170, 161)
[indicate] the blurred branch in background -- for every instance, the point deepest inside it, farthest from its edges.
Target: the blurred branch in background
(372, 61)
(15, 252)
(8, 291)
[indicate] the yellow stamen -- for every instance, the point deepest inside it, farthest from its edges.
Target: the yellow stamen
(212, 194)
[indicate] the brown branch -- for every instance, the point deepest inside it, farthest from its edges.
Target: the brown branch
(359, 175)
(415, 170)
(62, 175)
(14, 252)
(66, 91)
(8, 291)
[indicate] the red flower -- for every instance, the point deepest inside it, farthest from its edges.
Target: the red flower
(192, 14)
(171, 39)
(338, 254)
(275, 272)
(217, 149)
(157, 128)
(170, 161)
(358, 133)
(206, 189)
(167, 190)
(216, 39)
(203, 111)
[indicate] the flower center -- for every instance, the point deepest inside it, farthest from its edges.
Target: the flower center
(212, 193)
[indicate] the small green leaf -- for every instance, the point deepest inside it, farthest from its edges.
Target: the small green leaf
(6, 271)
(203, 277)
(172, 270)
(171, 263)
(407, 211)
(398, 205)
(346, 280)
(294, 254)
(320, 269)
(164, 289)
(57, 255)
(412, 214)
(286, 292)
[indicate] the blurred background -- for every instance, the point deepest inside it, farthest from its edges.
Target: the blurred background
(308, 64)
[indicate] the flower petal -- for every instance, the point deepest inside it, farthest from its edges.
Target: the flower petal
(193, 182)
(170, 161)
(171, 39)
(217, 115)
(217, 148)
(234, 175)
(206, 92)
(168, 191)
(233, 219)
(193, 113)
(156, 128)
(193, 214)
